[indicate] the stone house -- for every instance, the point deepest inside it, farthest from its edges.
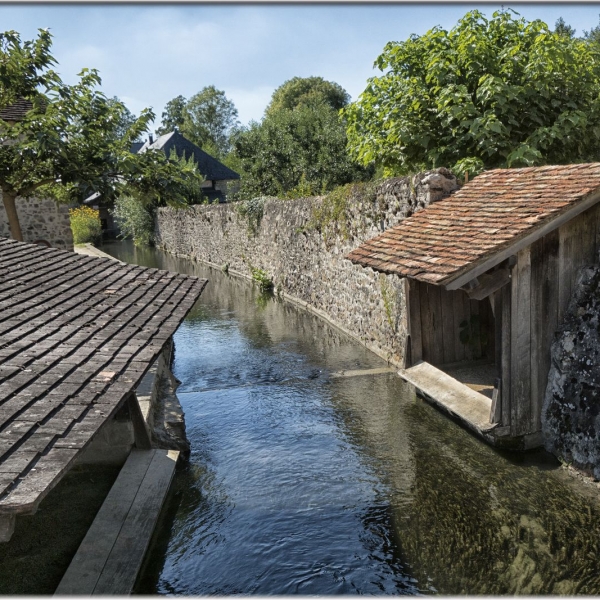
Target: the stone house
(488, 274)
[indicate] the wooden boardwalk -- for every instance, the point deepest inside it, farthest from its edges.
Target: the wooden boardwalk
(111, 554)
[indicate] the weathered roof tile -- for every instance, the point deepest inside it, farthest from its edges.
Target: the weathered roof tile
(77, 334)
(488, 214)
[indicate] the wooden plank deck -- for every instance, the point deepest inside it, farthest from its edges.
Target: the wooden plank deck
(470, 407)
(111, 554)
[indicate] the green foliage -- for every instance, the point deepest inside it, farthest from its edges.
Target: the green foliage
(504, 91)
(135, 220)
(252, 210)
(388, 295)
(25, 67)
(71, 143)
(332, 211)
(304, 189)
(191, 188)
(208, 119)
(265, 283)
(300, 91)
(562, 28)
(126, 118)
(306, 144)
(85, 225)
(593, 35)
(173, 115)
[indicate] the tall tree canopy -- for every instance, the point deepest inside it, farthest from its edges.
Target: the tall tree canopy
(173, 115)
(207, 119)
(488, 93)
(68, 143)
(300, 91)
(297, 144)
(126, 118)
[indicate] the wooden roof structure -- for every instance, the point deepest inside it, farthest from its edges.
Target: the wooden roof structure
(495, 215)
(17, 110)
(77, 334)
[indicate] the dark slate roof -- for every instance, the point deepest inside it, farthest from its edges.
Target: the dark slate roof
(136, 147)
(208, 166)
(16, 111)
(490, 214)
(77, 334)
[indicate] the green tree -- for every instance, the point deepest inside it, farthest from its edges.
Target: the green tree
(173, 115)
(593, 35)
(562, 28)
(300, 91)
(67, 145)
(488, 93)
(208, 119)
(304, 147)
(126, 118)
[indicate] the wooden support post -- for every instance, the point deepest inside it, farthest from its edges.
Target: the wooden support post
(140, 430)
(414, 322)
(496, 411)
(505, 354)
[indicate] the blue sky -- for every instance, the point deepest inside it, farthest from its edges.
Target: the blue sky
(148, 54)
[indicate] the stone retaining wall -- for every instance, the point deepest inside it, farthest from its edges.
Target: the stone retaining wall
(42, 220)
(571, 411)
(304, 256)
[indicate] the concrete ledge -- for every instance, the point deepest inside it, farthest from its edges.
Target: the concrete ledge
(469, 407)
(91, 250)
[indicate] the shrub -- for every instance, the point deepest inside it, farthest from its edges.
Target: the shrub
(252, 210)
(85, 225)
(261, 277)
(135, 220)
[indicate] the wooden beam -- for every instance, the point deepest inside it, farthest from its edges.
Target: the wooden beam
(458, 280)
(109, 557)
(496, 411)
(506, 397)
(521, 346)
(140, 429)
(414, 321)
(488, 283)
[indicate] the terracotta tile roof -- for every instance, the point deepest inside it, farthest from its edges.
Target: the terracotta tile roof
(77, 334)
(489, 214)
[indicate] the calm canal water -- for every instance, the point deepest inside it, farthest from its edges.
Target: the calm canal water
(302, 483)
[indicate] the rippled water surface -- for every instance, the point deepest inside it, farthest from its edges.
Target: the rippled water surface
(300, 482)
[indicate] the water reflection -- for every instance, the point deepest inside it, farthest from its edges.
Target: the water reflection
(302, 483)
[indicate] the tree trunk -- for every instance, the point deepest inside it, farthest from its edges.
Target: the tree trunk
(13, 217)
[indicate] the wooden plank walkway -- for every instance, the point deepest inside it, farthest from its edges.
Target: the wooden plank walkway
(470, 407)
(111, 554)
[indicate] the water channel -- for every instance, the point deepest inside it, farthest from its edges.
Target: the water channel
(300, 482)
